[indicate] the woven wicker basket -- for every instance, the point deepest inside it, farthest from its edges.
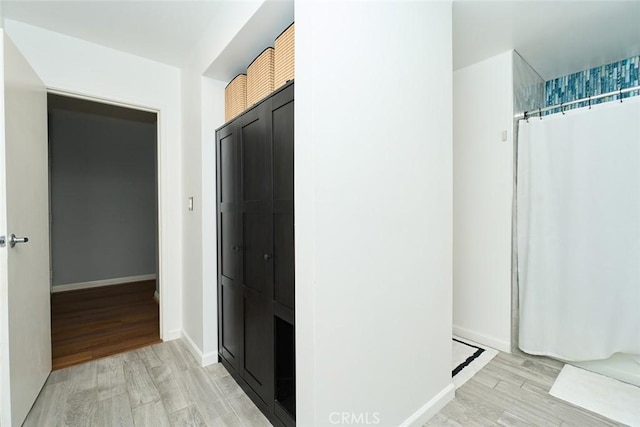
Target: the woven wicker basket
(235, 97)
(260, 77)
(284, 58)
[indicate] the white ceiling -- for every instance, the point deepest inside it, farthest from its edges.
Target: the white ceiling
(555, 37)
(162, 31)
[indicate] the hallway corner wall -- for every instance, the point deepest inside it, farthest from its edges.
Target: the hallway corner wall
(482, 201)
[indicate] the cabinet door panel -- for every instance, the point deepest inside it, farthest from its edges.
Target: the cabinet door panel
(258, 333)
(228, 189)
(253, 250)
(282, 124)
(283, 261)
(255, 154)
(228, 163)
(229, 244)
(231, 331)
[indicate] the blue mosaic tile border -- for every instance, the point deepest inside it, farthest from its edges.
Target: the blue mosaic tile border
(607, 78)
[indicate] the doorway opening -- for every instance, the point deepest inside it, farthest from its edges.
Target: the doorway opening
(103, 206)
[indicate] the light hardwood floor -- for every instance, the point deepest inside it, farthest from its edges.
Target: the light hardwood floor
(163, 385)
(159, 385)
(513, 390)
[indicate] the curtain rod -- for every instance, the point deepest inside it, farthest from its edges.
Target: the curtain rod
(539, 111)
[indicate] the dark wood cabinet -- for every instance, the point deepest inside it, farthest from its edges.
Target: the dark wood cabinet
(255, 223)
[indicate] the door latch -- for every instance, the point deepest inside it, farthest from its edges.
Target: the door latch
(2, 241)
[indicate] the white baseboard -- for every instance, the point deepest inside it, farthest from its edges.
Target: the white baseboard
(100, 283)
(204, 359)
(193, 348)
(492, 342)
(432, 407)
(172, 335)
(209, 358)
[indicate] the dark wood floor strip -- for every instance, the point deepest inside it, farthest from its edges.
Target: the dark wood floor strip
(93, 323)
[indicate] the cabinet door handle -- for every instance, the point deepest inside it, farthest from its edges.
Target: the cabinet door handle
(236, 248)
(267, 257)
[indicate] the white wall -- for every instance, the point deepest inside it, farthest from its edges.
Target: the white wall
(482, 201)
(212, 107)
(192, 220)
(202, 112)
(103, 197)
(73, 65)
(373, 192)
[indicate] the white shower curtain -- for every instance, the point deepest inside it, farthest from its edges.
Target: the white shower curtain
(579, 232)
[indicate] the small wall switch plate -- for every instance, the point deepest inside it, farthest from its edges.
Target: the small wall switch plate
(190, 204)
(504, 135)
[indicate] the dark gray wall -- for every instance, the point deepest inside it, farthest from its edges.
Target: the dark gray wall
(103, 197)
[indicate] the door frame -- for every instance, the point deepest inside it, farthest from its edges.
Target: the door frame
(162, 240)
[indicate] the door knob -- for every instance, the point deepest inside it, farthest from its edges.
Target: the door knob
(267, 257)
(13, 240)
